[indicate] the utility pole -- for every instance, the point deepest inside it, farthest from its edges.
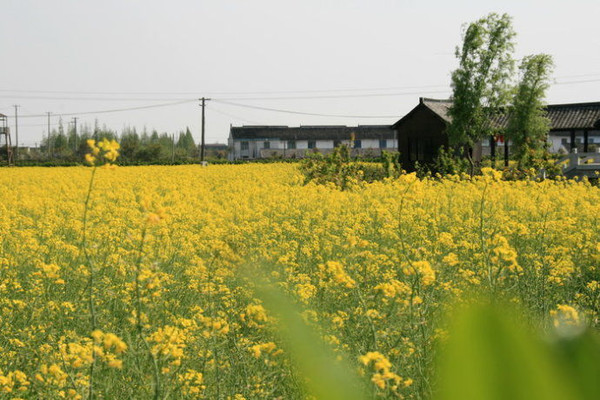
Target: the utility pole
(16, 106)
(202, 143)
(49, 144)
(75, 127)
(172, 148)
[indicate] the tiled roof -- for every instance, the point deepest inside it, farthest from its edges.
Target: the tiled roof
(322, 132)
(440, 107)
(562, 116)
(574, 116)
(215, 146)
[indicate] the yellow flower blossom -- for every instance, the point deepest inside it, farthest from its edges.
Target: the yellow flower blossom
(342, 255)
(335, 271)
(424, 270)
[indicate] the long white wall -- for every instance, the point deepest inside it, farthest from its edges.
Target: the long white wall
(252, 148)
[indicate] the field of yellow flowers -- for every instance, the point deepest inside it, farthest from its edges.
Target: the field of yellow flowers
(140, 286)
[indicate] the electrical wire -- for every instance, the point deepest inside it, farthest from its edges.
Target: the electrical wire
(338, 96)
(270, 93)
(576, 82)
(196, 93)
(213, 108)
(91, 98)
(112, 110)
(228, 101)
(301, 112)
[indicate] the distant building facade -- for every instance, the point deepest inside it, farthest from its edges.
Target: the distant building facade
(422, 131)
(255, 142)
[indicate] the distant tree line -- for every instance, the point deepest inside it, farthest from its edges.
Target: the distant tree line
(69, 145)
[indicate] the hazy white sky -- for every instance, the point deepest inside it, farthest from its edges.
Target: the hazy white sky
(346, 57)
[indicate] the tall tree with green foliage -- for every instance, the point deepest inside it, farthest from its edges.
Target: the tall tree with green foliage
(130, 144)
(528, 125)
(186, 142)
(481, 83)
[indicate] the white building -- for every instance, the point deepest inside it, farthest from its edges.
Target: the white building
(253, 142)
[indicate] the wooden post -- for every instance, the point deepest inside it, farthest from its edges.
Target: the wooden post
(505, 152)
(16, 152)
(585, 141)
(203, 105)
(172, 148)
(573, 145)
(202, 141)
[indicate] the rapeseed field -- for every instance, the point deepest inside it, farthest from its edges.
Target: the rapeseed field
(140, 285)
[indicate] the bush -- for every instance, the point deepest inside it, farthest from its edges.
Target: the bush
(344, 173)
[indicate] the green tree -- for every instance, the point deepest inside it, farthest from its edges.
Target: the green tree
(60, 144)
(130, 143)
(186, 142)
(481, 83)
(154, 138)
(72, 139)
(528, 125)
(144, 138)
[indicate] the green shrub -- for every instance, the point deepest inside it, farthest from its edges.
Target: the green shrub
(339, 169)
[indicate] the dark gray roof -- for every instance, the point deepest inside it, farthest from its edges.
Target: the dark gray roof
(215, 146)
(440, 107)
(313, 132)
(574, 116)
(562, 116)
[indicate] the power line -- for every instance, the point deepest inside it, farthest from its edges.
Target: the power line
(91, 98)
(576, 82)
(313, 97)
(301, 112)
(113, 110)
(330, 96)
(223, 92)
(336, 96)
(264, 92)
(227, 101)
(213, 108)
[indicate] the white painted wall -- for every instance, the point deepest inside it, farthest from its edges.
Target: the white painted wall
(301, 144)
(369, 144)
(324, 144)
(255, 146)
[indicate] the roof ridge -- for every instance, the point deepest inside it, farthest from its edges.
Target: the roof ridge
(581, 104)
(430, 100)
(588, 104)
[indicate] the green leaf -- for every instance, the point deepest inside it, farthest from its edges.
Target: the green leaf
(580, 359)
(325, 377)
(492, 356)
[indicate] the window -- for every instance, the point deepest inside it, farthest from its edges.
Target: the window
(291, 144)
(312, 144)
(267, 145)
(357, 144)
(382, 143)
(337, 143)
(244, 146)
